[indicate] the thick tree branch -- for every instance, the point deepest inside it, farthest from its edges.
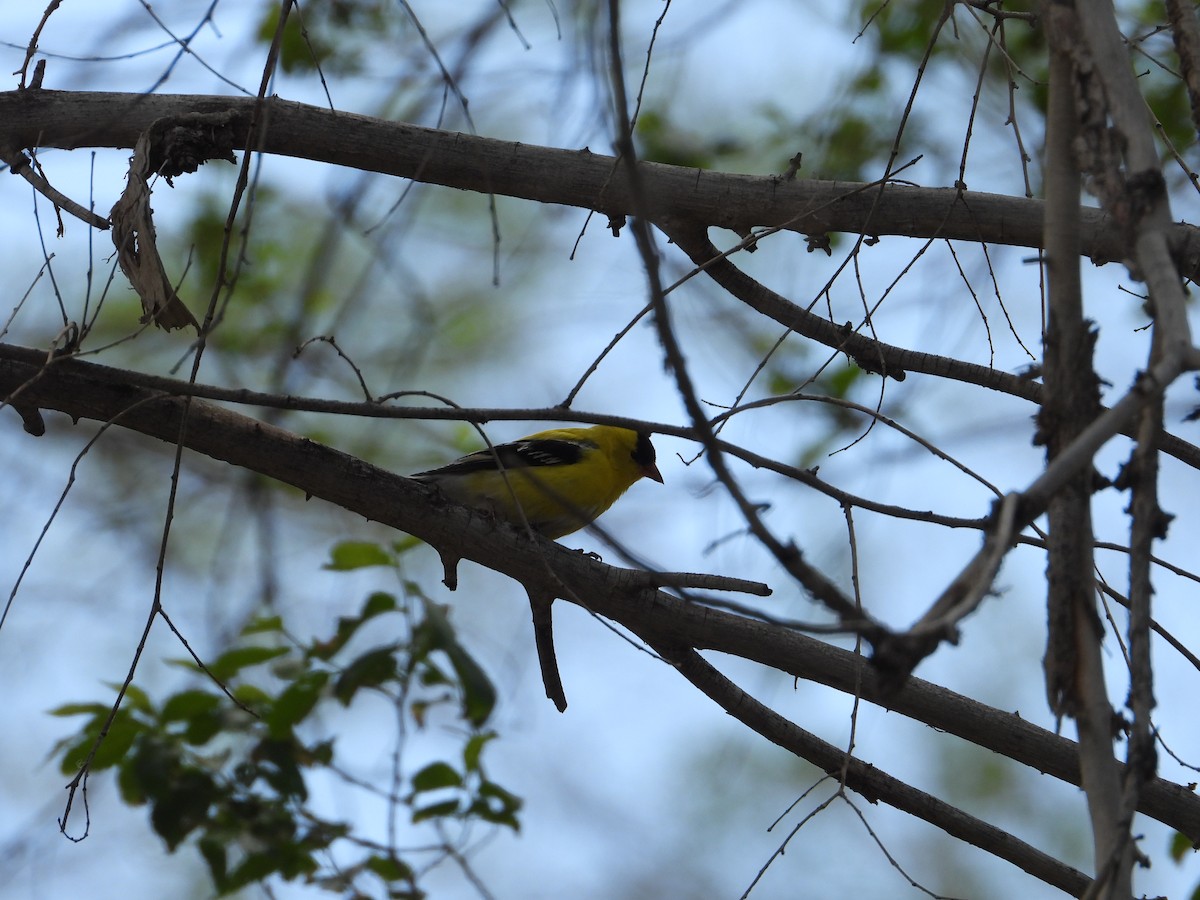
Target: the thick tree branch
(1136, 193)
(1074, 665)
(1185, 31)
(72, 120)
(86, 391)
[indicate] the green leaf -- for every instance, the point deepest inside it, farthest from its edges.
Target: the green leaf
(350, 555)
(842, 379)
(81, 709)
(497, 805)
(431, 674)
(413, 589)
(179, 812)
(150, 770)
(406, 543)
(1181, 847)
(389, 868)
(377, 604)
(436, 776)
(188, 705)
(474, 749)
(281, 767)
(251, 695)
(203, 728)
(130, 786)
(264, 625)
(420, 711)
(478, 692)
(322, 753)
(255, 867)
(135, 697)
(121, 735)
(214, 855)
(292, 861)
(233, 661)
(435, 811)
(322, 833)
(296, 702)
(369, 670)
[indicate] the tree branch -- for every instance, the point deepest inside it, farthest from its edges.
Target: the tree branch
(868, 780)
(86, 391)
(889, 359)
(580, 178)
(1185, 31)
(1074, 666)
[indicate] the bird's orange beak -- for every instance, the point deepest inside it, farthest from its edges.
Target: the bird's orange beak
(651, 472)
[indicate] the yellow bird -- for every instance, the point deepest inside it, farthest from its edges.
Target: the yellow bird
(562, 479)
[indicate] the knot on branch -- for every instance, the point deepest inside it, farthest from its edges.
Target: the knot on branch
(1072, 399)
(1143, 191)
(815, 242)
(869, 358)
(179, 145)
(894, 656)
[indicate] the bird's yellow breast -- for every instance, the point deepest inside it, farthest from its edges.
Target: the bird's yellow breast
(556, 500)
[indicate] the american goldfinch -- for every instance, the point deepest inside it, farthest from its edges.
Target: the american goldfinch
(562, 479)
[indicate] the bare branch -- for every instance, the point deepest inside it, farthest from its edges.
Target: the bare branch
(19, 164)
(868, 780)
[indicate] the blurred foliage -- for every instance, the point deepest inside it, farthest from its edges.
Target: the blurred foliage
(1181, 850)
(851, 136)
(225, 764)
(333, 36)
(789, 370)
(663, 141)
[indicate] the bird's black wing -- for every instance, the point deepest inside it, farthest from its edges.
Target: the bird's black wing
(515, 455)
